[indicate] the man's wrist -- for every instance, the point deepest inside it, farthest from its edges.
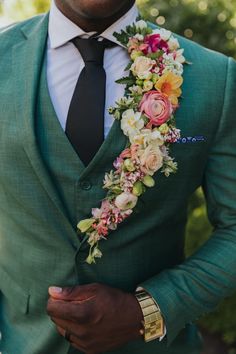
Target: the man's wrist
(153, 323)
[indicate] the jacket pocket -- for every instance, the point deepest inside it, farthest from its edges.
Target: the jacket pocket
(13, 295)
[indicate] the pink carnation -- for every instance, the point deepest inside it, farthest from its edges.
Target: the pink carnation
(156, 106)
(153, 43)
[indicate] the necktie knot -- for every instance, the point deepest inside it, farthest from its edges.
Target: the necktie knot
(91, 49)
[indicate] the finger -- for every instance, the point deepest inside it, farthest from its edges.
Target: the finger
(83, 332)
(61, 331)
(72, 339)
(78, 293)
(80, 312)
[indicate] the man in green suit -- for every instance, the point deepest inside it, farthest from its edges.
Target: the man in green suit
(45, 189)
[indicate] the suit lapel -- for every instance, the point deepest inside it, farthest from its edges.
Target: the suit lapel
(27, 57)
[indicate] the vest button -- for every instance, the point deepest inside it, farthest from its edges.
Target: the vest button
(85, 185)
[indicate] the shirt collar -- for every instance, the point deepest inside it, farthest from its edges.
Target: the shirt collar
(62, 30)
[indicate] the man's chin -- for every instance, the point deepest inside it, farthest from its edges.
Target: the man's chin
(99, 10)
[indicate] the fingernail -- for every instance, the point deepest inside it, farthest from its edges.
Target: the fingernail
(55, 289)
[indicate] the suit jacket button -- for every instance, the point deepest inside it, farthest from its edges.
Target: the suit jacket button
(85, 185)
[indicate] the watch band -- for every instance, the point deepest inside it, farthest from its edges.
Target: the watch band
(153, 321)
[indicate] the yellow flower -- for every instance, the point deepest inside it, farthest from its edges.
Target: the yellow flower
(169, 84)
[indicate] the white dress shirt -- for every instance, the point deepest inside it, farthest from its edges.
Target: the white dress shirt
(64, 62)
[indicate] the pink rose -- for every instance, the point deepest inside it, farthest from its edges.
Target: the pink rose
(156, 107)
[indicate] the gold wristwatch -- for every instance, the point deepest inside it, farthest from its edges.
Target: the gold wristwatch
(153, 324)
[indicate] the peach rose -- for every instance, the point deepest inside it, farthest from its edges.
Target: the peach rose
(156, 106)
(151, 159)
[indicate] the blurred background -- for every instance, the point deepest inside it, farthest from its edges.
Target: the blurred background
(213, 24)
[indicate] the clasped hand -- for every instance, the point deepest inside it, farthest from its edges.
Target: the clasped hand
(97, 317)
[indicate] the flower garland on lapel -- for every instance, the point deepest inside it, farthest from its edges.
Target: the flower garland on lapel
(146, 115)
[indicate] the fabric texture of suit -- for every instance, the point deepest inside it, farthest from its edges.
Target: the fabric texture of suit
(45, 190)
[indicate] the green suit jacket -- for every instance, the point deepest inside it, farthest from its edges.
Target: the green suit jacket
(39, 245)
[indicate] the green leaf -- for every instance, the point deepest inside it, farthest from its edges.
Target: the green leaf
(128, 66)
(126, 81)
(122, 37)
(84, 225)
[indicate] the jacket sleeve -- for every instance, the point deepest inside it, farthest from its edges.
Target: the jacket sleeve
(195, 287)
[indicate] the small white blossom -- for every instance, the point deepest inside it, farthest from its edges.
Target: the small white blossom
(157, 137)
(170, 167)
(94, 237)
(139, 37)
(109, 180)
(136, 90)
(131, 122)
(165, 34)
(147, 85)
(173, 43)
(179, 56)
(124, 102)
(146, 137)
(171, 64)
(140, 25)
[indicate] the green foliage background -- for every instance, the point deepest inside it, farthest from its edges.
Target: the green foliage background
(213, 24)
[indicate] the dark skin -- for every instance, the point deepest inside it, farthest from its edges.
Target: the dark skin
(94, 15)
(99, 318)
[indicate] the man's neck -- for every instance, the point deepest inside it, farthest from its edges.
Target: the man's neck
(93, 25)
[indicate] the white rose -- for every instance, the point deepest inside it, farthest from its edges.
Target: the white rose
(142, 68)
(131, 122)
(140, 25)
(126, 201)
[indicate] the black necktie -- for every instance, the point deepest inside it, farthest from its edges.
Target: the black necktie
(85, 120)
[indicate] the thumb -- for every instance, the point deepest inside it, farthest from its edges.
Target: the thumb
(74, 293)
